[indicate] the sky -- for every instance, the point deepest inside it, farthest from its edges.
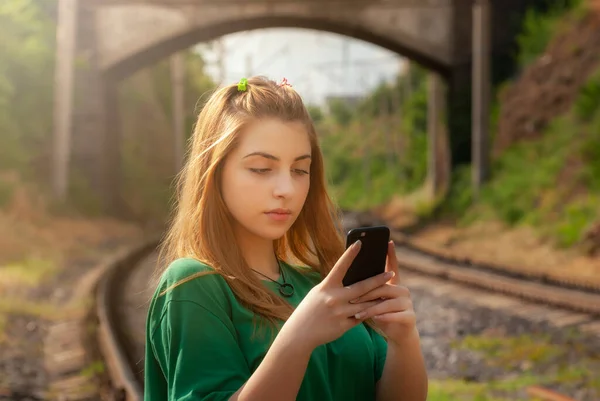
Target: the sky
(312, 61)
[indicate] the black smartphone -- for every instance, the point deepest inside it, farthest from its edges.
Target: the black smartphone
(370, 261)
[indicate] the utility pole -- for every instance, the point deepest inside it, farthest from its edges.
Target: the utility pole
(177, 84)
(397, 107)
(481, 87)
(366, 133)
(384, 115)
(408, 81)
(434, 112)
(63, 96)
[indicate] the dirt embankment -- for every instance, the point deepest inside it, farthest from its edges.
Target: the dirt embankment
(545, 89)
(548, 87)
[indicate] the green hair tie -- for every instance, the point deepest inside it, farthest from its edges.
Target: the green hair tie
(243, 85)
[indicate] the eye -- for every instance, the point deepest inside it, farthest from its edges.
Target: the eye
(260, 170)
(300, 171)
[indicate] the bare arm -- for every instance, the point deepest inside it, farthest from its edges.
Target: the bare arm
(280, 374)
(404, 376)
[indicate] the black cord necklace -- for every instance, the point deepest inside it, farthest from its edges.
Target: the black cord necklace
(286, 289)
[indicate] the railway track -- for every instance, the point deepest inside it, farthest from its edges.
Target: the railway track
(562, 304)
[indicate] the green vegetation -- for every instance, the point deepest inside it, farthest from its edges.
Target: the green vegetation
(28, 273)
(552, 183)
(536, 360)
(27, 51)
(526, 361)
(373, 150)
(147, 147)
(540, 27)
(26, 84)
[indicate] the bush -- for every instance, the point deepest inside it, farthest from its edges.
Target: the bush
(539, 28)
(588, 101)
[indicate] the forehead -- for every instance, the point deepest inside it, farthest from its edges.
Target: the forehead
(279, 138)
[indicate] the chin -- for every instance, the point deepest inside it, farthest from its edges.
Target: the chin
(273, 233)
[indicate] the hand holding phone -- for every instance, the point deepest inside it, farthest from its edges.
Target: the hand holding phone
(330, 309)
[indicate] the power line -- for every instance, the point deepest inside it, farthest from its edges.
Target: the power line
(358, 62)
(282, 50)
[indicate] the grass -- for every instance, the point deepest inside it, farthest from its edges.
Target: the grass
(461, 390)
(2, 328)
(40, 309)
(510, 352)
(539, 28)
(33, 254)
(551, 184)
(94, 369)
(29, 272)
(523, 356)
(454, 390)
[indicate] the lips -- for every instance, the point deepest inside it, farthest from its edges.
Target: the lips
(279, 214)
(279, 211)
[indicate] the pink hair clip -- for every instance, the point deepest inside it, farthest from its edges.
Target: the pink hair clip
(284, 82)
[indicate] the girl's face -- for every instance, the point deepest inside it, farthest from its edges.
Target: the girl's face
(265, 180)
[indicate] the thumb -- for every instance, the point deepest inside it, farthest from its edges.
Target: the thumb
(391, 264)
(337, 273)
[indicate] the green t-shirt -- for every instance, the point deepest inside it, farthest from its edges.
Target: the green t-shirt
(200, 343)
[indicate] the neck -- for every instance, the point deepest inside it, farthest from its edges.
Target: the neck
(259, 253)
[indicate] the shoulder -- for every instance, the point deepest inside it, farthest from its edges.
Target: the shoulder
(182, 268)
(187, 274)
(188, 281)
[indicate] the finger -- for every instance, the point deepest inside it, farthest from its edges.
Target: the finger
(352, 309)
(391, 263)
(404, 316)
(386, 291)
(387, 306)
(362, 287)
(337, 273)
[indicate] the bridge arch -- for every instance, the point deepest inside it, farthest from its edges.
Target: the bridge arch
(400, 45)
(115, 38)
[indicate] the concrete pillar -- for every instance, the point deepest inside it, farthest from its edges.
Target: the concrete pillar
(481, 93)
(63, 96)
(177, 82)
(438, 151)
(110, 160)
(408, 89)
(95, 164)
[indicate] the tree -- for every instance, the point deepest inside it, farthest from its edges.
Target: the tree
(340, 111)
(315, 113)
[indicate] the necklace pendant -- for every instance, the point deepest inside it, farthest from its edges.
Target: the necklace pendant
(286, 289)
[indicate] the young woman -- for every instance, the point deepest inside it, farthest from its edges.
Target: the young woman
(251, 304)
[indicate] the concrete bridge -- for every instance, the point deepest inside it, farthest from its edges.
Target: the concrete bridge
(100, 42)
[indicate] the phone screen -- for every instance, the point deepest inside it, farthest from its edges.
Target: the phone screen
(371, 259)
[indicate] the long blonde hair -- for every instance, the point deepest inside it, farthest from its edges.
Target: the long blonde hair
(201, 227)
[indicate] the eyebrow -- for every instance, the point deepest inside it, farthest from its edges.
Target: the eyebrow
(269, 156)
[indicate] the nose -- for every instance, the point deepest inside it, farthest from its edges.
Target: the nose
(284, 185)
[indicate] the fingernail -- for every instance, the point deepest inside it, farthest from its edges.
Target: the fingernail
(360, 315)
(353, 301)
(357, 245)
(389, 275)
